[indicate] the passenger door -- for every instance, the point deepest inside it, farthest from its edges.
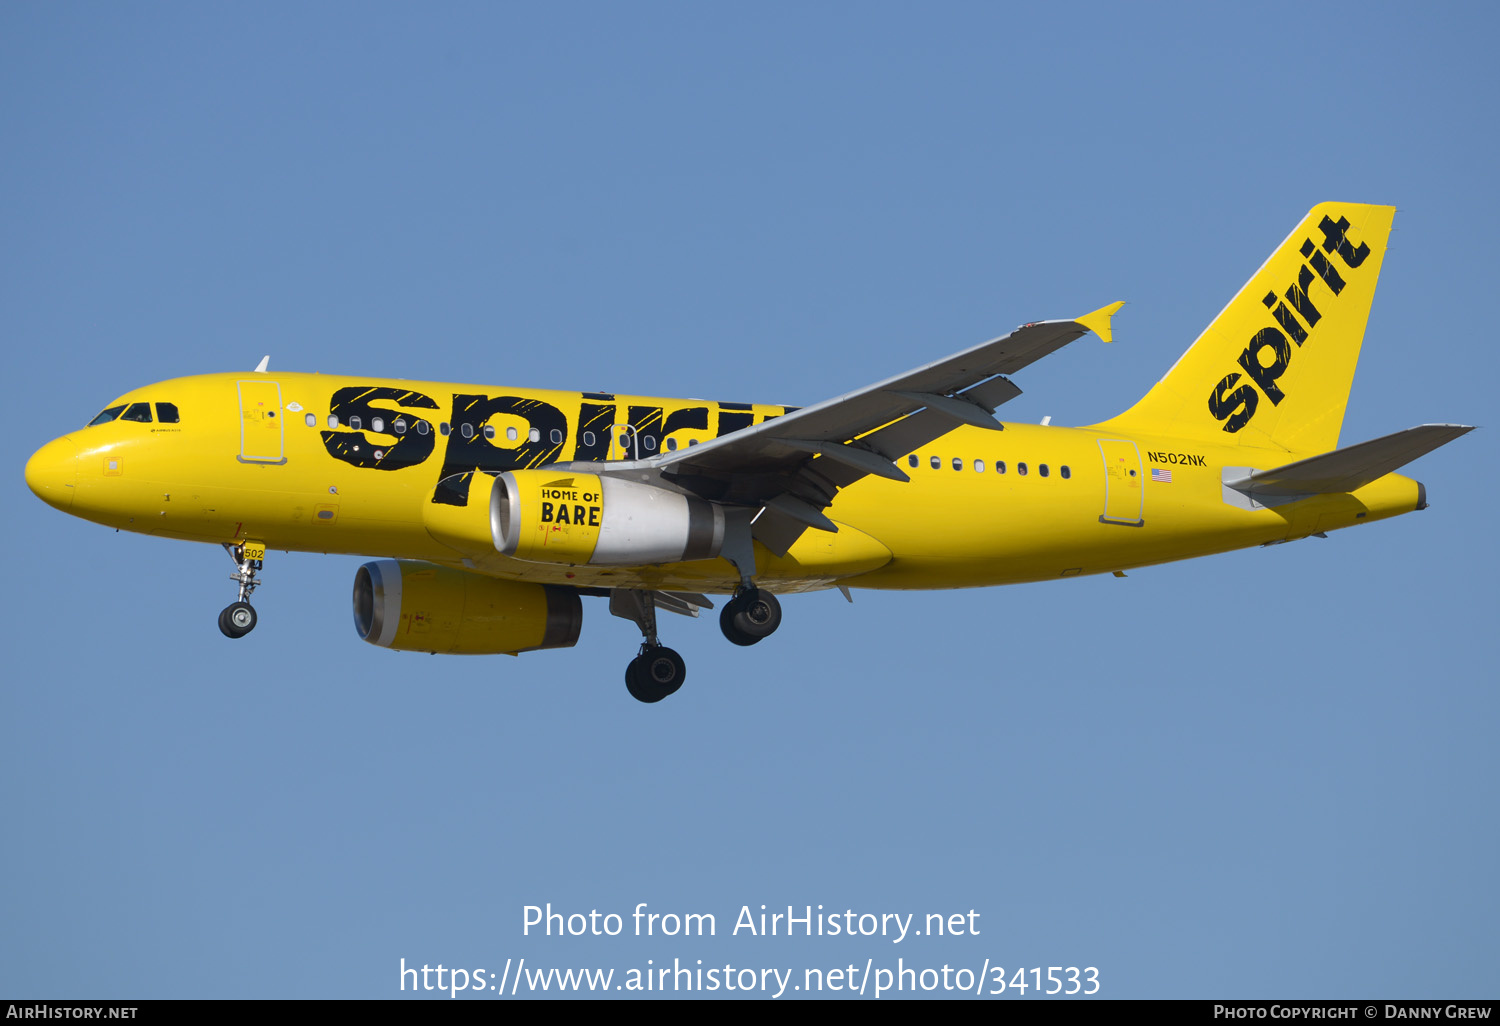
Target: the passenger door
(262, 436)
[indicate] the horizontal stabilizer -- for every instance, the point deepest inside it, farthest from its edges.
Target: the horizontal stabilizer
(1351, 468)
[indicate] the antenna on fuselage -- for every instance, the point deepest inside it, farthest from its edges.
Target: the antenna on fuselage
(260, 368)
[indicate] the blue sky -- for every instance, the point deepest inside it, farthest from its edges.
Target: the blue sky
(1265, 774)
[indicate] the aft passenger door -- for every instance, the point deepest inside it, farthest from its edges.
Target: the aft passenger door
(1124, 493)
(262, 436)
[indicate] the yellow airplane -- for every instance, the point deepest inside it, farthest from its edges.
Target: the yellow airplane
(498, 508)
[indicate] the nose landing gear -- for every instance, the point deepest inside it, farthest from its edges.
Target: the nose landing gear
(238, 618)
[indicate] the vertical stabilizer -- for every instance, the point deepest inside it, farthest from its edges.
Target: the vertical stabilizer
(1274, 369)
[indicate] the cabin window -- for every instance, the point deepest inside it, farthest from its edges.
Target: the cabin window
(354, 422)
(139, 413)
(937, 463)
(333, 420)
(692, 442)
(979, 466)
(556, 436)
(166, 413)
(108, 415)
(999, 466)
(1065, 472)
(422, 427)
(443, 429)
(534, 435)
(311, 420)
(958, 464)
(489, 432)
(377, 424)
(671, 445)
(650, 443)
(399, 426)
(467, 430)
(588, 439)
(1043, 469)
(912, 460)
(1021, 469)
(511, 434)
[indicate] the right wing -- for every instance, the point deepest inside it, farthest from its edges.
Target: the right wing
(793, 466)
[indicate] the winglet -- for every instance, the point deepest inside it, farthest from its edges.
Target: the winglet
(265, 361)
(1098, 321)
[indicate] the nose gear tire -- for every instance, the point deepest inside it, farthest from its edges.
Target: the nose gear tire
(237, 620)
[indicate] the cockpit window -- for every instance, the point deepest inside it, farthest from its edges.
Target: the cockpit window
(166, 413)
(140, 413)
(107, 416)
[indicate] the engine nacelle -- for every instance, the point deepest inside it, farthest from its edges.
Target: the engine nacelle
(422, 607)
(582, 519)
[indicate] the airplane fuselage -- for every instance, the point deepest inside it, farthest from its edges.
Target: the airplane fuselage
(322, 463)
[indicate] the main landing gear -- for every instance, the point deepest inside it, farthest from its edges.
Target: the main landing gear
(654, 674)
(751, 616)
(238, 618)
(657, 671)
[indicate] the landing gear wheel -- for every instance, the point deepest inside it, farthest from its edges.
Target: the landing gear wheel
(750, 617)
(733, 633)
(237, 620)
(654, 674)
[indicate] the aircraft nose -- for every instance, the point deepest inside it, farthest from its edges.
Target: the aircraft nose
(52, 472)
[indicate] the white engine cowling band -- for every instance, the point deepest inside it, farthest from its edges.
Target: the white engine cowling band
(585, 519)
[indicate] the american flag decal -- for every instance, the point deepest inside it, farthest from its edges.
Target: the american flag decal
(1164, 476)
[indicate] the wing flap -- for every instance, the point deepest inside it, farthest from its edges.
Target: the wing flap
(852, 456)
(683, 603)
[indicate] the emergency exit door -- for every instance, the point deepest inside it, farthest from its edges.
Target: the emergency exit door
(1124, 492)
